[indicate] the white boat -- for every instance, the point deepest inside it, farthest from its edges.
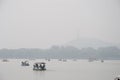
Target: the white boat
(39, 66)
(117, 78)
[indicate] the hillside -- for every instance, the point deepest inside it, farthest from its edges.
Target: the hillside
(85, 43)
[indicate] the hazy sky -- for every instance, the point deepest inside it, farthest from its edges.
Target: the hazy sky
(42, 23)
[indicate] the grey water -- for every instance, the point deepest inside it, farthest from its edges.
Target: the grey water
(58, 70)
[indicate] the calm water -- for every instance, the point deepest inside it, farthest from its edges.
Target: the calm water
(56, 70)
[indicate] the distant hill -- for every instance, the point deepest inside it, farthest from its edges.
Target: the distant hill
(85, 43)
(60, 52)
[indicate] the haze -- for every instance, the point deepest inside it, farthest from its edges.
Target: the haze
(43, 23)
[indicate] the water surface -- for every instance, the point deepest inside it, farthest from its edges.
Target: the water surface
(58, 70)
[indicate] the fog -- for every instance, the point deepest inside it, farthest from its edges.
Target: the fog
(43, 23)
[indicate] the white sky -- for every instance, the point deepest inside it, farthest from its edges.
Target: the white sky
(42, 23)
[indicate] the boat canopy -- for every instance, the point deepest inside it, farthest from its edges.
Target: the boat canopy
(117, 78)
(40, 63)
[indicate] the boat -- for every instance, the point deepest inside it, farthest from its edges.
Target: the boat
(64, 60)
(48, 59)
(91, 59)
(5, 60)
(74, 59)
(117, 78)
(25, 63)
(102, 61)
(39, 66)
(59, 59)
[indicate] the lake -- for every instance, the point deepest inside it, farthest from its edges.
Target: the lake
(58, 70)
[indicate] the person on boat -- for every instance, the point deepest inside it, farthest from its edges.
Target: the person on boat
(36, 65)
(42, 66)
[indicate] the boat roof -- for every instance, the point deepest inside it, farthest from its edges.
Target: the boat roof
(40, 63)
(24, 61)
(118, 76)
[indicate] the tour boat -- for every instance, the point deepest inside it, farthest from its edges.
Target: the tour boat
(39, 66)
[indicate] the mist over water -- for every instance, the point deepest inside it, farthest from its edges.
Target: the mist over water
(57, 70)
